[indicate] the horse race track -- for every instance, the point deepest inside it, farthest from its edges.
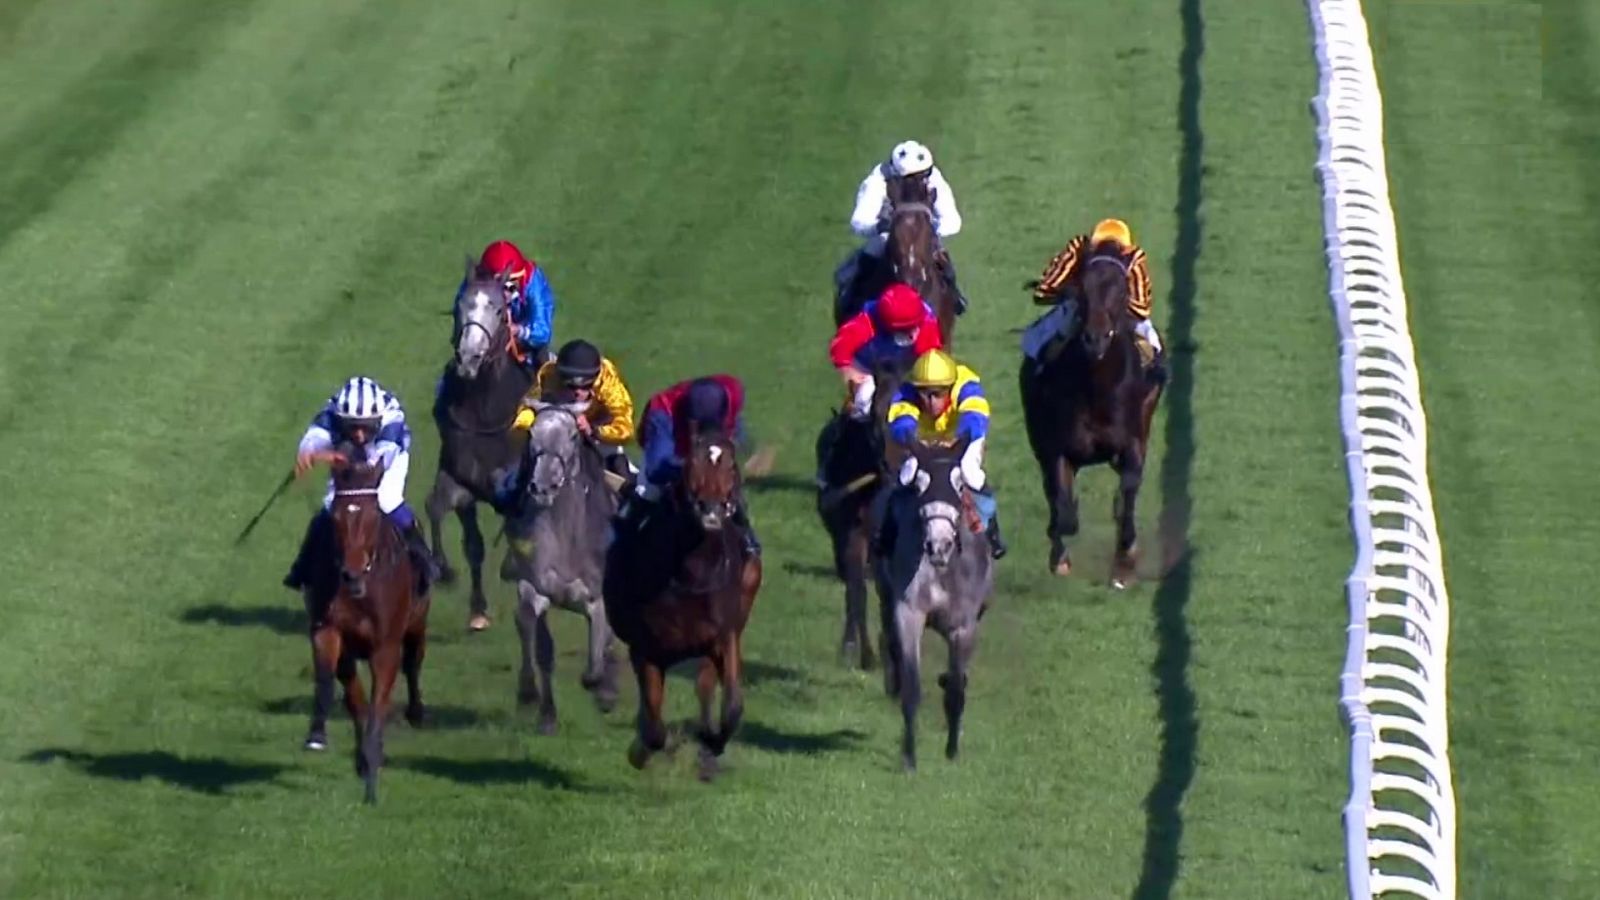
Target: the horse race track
(211, 213)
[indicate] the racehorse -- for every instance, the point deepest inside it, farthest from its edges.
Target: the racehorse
(566, 518)
(679, 585)
(479, 395)
(1092, 402)
(374, 614)
(914, 253)
(851, 458)
(938, 573)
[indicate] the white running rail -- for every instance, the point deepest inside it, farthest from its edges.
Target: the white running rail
(1400, 817)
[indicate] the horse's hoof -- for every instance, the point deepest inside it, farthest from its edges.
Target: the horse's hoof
(316, 741)
(447, 575)
(416, 716)
(478, 622)
(908, 764)
(605, 701)
(638, 755)
(547, 725)
(1062, 568)
(1118, 584)
(709, 766)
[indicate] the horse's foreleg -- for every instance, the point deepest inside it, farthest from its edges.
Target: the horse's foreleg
(856, 646)
(705, 688)
(652, 737)
(355, 700)
(534, 685)
(962, 641)
(908, 625)
(600, 677)
(1131, 471)
(385, 666)
(1058, 476)
(325, 647)
(439, 502)
(414, 650)
(472, 545)
(732, 671)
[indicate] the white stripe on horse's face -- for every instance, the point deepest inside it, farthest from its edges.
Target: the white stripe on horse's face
(715, 453)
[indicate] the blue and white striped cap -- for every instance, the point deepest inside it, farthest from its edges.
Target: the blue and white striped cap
(360, 398)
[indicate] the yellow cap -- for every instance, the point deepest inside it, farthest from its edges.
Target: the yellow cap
(1112, 230)
(934, 369)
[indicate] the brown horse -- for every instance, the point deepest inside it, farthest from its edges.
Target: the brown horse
(913, 250)
(851, 458)
(678, 585)
(1091, 403)
(374, 614)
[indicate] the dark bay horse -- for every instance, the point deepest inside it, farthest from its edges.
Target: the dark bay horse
(1091, 403)
(939, 574)
(851, 457)
(914, 252)
(479, 394)
(375, 614)
(678, 585)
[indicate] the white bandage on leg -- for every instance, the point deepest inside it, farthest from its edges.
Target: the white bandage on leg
(1148, 331)
(972, 465)
(861, 405)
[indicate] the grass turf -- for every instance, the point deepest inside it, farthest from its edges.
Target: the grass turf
(215, 212)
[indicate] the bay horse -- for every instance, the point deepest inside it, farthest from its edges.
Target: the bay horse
(374, 614)
(1091, 403)
(913, 251)
(678, 585)
(938, 573)
(479, 394)
(851, 455)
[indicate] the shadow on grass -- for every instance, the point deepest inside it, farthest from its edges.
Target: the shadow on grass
(496, 771)
(280, 619)
(756, 673)
(810, 570)
(775, 740)
(203, 774)
(445, 716)
(772, 484)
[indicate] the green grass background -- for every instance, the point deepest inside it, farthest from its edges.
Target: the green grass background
(210, 213)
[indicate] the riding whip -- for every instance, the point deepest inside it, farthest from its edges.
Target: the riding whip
(282, 486)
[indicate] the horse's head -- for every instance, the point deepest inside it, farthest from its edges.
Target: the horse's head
(356, 518)
(934, 471)
(480, 318)
(912, 240)
(711, 479)
(1104, 288)
(554, 443)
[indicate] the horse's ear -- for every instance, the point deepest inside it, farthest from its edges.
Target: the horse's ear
(472, 267)
(504, 274)
(576, 407)
(538, 406)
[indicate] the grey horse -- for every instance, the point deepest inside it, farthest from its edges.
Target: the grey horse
(479, 395)
(559, 543)
(938, 573)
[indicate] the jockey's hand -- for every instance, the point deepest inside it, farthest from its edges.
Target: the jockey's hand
(1031, 284)
(304, 462)
(585, 427)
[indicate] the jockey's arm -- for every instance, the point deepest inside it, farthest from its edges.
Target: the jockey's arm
(847, 342)
(945, 212)
(543, 381)
(539, 325)
(1058, 271)
(612, 394)
(904, 416)
(1139, 292)
(396, 458)
(867, 217)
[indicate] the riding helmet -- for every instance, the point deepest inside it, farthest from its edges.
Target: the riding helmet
(578, 363)
(934, 369)
(900, 308)
(1112, 230)
(707, 403)
(501, 256)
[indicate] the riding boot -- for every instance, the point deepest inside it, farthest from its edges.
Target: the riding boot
(301, 570)
(949, 269)
(997, 547)
(1158, 373)
(421, 557)
(741, 516)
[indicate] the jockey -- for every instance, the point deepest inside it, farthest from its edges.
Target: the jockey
(713, 403)
(942, 401)
(864, 270)
(587, 377)
(1066, 265)
(897, 327)
(369, 417)
(531, 303)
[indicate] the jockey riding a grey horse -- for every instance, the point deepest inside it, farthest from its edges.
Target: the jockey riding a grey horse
(864, 273)
(370, 418)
